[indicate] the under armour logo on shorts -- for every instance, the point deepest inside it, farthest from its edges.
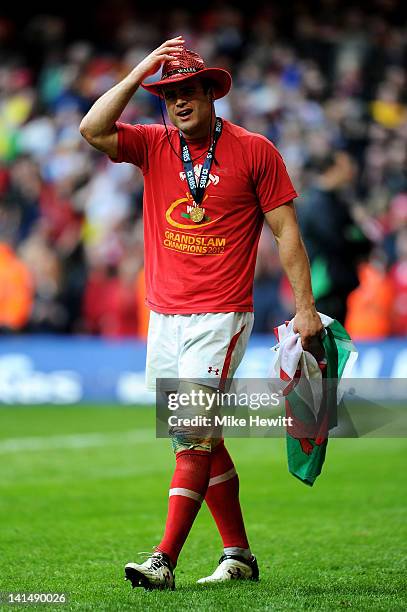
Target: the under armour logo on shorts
(214, 370)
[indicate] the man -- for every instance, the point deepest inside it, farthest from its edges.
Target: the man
(208, 184)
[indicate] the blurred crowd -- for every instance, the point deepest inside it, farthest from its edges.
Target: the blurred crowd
(325, 82)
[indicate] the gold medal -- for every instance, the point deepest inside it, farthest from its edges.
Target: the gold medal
(197, 214)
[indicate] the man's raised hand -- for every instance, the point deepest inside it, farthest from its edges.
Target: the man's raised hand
(167, 51)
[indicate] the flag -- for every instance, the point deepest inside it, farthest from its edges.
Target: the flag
(312, 393)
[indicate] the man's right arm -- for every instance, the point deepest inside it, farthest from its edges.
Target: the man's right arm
(98, 126)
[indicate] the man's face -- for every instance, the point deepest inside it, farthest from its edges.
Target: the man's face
(189, 107)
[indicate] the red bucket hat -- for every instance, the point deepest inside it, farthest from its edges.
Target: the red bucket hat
(186, 66)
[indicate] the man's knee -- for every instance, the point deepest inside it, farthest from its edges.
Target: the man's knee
(180, 443)
(196, 428)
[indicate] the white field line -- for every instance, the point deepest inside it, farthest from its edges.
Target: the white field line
(74, 441)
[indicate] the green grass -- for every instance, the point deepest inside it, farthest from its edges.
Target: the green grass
(74, 509)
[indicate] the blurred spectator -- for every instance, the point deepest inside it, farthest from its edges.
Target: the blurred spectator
(16, 293)
(333, 241)
(48, 312)
(369, 314)
(110, 302)
(23, 194)
(398, 274)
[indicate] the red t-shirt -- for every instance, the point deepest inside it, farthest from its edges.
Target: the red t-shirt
(208, 266)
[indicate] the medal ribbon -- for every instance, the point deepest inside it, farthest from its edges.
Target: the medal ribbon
(197, 191)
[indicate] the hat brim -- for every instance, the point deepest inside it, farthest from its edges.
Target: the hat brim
(220, 78)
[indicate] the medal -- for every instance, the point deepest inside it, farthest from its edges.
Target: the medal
(197, 214)
(197, 189)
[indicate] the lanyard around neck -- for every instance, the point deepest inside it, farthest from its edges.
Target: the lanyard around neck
(197, 191)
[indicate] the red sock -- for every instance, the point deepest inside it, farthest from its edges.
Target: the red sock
(188, 488)
(222, 497)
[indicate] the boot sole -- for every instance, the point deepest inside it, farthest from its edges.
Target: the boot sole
(138, 579)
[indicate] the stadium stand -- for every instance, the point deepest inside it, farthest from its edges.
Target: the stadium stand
(328, 89)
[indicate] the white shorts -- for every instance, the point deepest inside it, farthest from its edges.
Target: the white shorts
(206, 346)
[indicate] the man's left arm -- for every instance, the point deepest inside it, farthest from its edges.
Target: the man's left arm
(283, 223)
